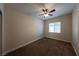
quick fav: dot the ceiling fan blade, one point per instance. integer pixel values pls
(52, 11)
(45, 10)
(41, 14)
(50, 14)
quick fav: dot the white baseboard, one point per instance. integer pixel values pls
(59, 40)
(65, 41)
(75, 50)
(19, 46)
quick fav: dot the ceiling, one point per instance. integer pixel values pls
(35, 9)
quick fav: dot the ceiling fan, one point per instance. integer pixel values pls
(46, 12)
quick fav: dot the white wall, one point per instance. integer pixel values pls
(20, 28)
(75, 29)
(66, 28)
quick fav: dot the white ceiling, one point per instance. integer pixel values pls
(35, 9)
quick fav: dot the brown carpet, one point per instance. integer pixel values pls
(45, 47)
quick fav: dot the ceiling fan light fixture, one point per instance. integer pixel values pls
(46, 15)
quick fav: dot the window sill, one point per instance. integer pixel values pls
(54, 32)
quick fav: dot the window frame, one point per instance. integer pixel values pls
(54, 27)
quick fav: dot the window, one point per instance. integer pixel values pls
(55, 27)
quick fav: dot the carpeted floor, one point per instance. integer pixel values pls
(45, 47)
